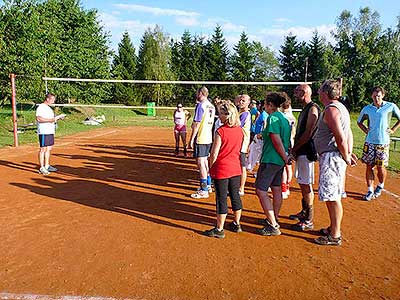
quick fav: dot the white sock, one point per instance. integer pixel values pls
(371, 188)
(381, 185)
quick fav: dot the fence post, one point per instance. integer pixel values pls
(14, 109)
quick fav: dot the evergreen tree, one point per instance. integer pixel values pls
(317, 70)
(124, 67)
(217, 56)
(289, 59)
(154, 63)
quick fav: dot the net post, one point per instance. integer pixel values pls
(14, 109)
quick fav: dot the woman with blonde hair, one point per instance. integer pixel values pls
(225, 168)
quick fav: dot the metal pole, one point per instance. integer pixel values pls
(14, 109)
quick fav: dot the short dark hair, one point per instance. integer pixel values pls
(49, 95)
(378, 89)
(276, 98)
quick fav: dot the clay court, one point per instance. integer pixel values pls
(117, 222)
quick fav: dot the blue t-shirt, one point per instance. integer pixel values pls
(253, 112)
(378, 121)
(260, 122)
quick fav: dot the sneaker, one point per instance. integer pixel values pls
(369, 196)
(214, 232)
(285, 195)
(303, 226)
(378, 191)
(269, 230)
(299, 216)
(43, 171)
(328, 240)
(52, 169)
(209, 188)
(200, 194)
(235, 227)
(344, 195)
(241, 193)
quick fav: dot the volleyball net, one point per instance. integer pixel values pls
(127, 101)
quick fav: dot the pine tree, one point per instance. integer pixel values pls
(124, 67)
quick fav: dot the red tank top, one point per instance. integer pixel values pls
(227, 164)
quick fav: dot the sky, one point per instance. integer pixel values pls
(262, 20)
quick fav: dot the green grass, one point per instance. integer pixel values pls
(129, 117)
(73, 122)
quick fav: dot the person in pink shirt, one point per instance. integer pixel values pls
(226, 169)
(181, 116)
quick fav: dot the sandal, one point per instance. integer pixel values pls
(328, 240)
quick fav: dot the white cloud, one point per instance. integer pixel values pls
(226, 25)
(282, 20)
(156, 10)
(186, 21)
(275, 36)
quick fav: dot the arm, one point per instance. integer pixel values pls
(360, 123)
(310, 127)
(396, 112)
(278, 145)
(195, 129)
(332, 119)
(40, 119)
(215, 149)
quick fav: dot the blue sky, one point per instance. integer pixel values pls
(262, 20)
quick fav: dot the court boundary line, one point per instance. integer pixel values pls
(13, 296)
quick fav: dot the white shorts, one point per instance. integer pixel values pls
(332, 170)
(304, 170)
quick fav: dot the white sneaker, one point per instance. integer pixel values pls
(43, 171)
(200, 194)
(241, 193)
(285, 195)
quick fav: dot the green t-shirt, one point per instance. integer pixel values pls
(276, 123)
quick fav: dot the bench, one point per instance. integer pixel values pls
(22, 127)
(395, 139)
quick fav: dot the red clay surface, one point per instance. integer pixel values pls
(117, 221)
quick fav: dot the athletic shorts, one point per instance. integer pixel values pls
(304, 170)
(332, 170)
(375, 155)
(201, 150)
(46, 140)
(243, 159)
(180, 128)
(268, 175)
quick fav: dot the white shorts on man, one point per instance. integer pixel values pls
(304, 170)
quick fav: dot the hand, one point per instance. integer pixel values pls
(62, 116)
(352, 160)
(390, 130)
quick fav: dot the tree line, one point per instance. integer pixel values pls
(59, 38)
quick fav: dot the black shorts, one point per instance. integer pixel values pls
(268, 175)
(201, 150)
(46, 140)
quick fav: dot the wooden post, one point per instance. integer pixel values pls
(14, 109)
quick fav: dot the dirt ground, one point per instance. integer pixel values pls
(117, 221)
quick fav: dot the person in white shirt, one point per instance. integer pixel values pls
(46, 120)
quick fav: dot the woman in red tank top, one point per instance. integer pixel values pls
(225, 168)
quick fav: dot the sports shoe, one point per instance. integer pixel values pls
(52, 169)
(299, 216)
(344, 195)
(214, 232)
(303, 226)
(200, 194)
(241, 193)
(269, 230)
(369, 196)
(209, 188)
(285, 195)
(378, 191)
(43, 171)
(235, 227)
(328, 240)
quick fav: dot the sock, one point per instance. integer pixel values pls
(381, 185)
(208, 180)
(203, 184)
(219, 230)
(371, 188)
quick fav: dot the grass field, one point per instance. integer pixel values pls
(127, 117)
